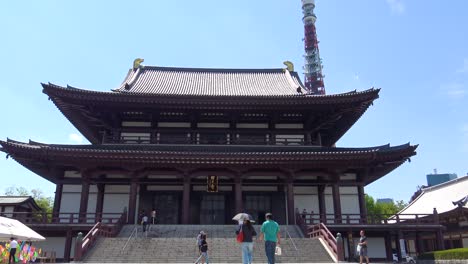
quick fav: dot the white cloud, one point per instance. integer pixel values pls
(464, 68)
(397, 6)
(76, 138)
(356, 77)
(455, 90)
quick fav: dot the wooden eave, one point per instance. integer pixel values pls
(42, 158)
(84, 108)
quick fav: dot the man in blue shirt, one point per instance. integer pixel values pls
(270, 232)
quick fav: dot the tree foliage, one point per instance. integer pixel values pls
(382, 210)
(44, 202)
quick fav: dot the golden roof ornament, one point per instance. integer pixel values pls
(289, 65)
(137, 63)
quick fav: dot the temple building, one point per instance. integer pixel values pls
(200, 145)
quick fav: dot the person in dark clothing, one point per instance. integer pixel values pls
(203, 250)
(363, 250)
(247, 244)
(13, 247)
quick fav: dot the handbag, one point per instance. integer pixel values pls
(358, 249)
(278, 251)
(240, 236)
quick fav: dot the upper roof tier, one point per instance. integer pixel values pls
(211, 82)
(154, 91)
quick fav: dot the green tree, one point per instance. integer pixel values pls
(380, 211)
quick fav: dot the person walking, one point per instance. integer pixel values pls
(13, 246)
(153, 216)
(363, 248)
(203, 250)
(270, 233)
(144, 222)
(247, 244)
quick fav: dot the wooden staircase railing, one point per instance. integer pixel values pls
(84, 244)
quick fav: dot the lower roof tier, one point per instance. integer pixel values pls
(369, 163)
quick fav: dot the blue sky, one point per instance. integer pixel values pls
(415, 50)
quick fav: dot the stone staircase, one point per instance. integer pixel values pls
(177, 244)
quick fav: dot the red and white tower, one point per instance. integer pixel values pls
(313, 63)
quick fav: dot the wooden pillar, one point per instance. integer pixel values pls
(362, 204)
(439, 235)
(84, 198)
(388, 246)
(308, 138)
(100, 201)
(68, 245)
(319, 139)
(132, 201)
(238, 194)
(337, 203)
(417, 243)
(57, 202)
(398, 246)
(290, 199)
(321, 200)
(186, 200)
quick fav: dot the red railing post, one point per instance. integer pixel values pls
(78, 247)
(339, 248)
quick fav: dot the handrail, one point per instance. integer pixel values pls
(83, 245)
(320, 230)
(290, 238)
(135, 230)
(359, 219)
(63, 217)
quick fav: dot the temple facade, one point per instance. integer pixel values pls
(200, 145)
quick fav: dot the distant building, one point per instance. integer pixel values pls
(385, 200)
(436, 178)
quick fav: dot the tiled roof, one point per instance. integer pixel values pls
(13, 199)
(440, 196)
(212, 82)
(195, 150)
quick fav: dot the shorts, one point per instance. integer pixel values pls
(363, 252)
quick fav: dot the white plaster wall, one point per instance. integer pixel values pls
(329, 206)
(56, 244)
(7, 210)
(375, 247)
(252, 125)
(70, 202)
(349, 202)
(71, 197)
(308, 202)
(116, 198)
(305, 190)
(465, 242)
(117, 189)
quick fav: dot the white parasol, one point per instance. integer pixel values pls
(242, 217)
(14, 228)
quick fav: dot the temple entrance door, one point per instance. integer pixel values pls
(257, 205)
(212, 209)
(167, 208)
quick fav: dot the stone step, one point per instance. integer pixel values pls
(226, 250)
(191, 231)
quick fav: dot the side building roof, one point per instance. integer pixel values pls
(440, 197)
(19, 200)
